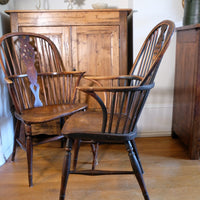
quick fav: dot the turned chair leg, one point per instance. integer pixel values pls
(76, 151)
(95, 147)
(137, 169)
(63, 140)
(29, 152)
(136, 154)
(17, 133)
(66, 169)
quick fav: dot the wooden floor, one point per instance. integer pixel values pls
(169, 174)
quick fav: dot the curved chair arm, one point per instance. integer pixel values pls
(119, 80)
(116, 89)
(127, 77)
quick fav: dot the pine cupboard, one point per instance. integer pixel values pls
(96, 41)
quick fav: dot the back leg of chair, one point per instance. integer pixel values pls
(136, 154)
(17, 133)
(137, 170)
(63, 140)
(76, 151)
(95, 147)
(29, 152)
(66, 169)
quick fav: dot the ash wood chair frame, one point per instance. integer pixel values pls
(40, 89)
(118, 124)
(146, 62)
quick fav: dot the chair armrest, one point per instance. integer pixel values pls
(115, 89)
(128, 77)
(8, 81)
(102, 81)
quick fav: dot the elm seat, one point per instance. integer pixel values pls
(82, 122)
(40, 88)
(48, 113)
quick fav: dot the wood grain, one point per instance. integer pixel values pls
(165, 161)
(186, 112)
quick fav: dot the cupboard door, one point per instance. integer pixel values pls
(95, 49)
(60, 36)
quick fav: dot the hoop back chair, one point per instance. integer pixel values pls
(125, 99)
(40, 89)
(147, 60)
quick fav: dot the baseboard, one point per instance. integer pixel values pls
(154, 134)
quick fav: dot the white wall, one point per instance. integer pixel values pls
(6, 120)
(60, 4)
(156, 118)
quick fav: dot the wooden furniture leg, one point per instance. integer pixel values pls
(136, 154)
(137, 170)
(76, 150)
(17, 133)
(95, 147)
(29, 151)
(66, 169)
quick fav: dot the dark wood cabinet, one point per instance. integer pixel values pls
(186, 109)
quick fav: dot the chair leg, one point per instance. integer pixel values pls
(136, 154)
(76, 151)
(29, 151)
(63, 140)
(95, 147)
(66, 169)
(137, 170)
(17, 132)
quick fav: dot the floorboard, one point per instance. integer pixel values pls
(169, 174)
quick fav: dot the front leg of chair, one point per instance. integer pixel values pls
(66, 168)
(136, 154)
(29, 152)
(137, 170)
(17, 132)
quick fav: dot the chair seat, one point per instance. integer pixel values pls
(47, 113)
(87, 126)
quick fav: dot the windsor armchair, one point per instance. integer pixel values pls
(147, 60)
(125, 97)
(117, 124)
(40, 88)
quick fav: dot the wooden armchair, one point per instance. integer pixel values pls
(125, 97)
(144, 69)
(40, 89)
(117, 124)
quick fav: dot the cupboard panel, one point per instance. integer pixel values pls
(60, 36)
